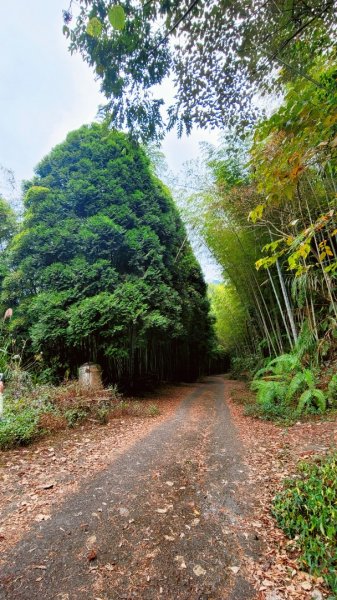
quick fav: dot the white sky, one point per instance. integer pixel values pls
(46, 92)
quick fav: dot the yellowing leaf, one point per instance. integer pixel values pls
(296, 171)
(94, 27)
(256, 213)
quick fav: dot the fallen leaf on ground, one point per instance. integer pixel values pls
(181, 560)
(91, 540)
(306, 585)
(92, 555)
(234, 570)
(198, 571)
(42, 517)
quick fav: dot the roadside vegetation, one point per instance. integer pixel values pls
(33, 410)
(267, 212)
(100, 267)
(306, 511)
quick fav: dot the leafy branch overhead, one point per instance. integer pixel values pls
(219, 53)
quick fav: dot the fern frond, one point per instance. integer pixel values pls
(269, 391)
(297, 383)
(310, 398)
(304, 400)
(285, 364)
(320, 399)
(306, 342)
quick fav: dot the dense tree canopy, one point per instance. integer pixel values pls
(269, 217)
(7, 228)
(102, 269)
(7, 223)
(220, 53)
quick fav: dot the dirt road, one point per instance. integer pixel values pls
(166, 519)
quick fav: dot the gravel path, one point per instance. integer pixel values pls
(164, 520)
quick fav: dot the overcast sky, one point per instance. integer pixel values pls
(46, 92)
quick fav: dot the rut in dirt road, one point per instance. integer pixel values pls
(161, 521)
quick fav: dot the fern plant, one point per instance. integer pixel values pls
(281, 365)
(301, 380)
(332, 390)
(285, 389)
(311, 399)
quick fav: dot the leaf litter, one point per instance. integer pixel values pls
(34, 480)
(271, 454)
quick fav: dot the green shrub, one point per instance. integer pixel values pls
(306, 509)
(244, 367)
(18, 428)
(286, 390)
(75, 415)
(102, 415)
(37, 410)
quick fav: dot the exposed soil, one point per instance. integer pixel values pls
(174, 507)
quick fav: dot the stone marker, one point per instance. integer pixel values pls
(90, 375)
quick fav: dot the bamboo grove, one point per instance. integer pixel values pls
(269, 217)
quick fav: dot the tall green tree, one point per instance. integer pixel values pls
(8, 226)
(102, 269)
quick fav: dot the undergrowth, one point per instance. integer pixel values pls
(306, 510)
(32, 411)
(293, 385)
(286, 390)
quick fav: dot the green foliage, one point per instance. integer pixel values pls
(8, 226)
(285, 302)
(332, 390)
(230, 316)
(19, 427)
(293, 154)
(8, 223)
(306, 510)
(311, 399)
(101, 269)
(75, 415)
(244, 366)
(236, 50)
(116, 16)
(102, 415)
(94, 27)
(286, 390)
